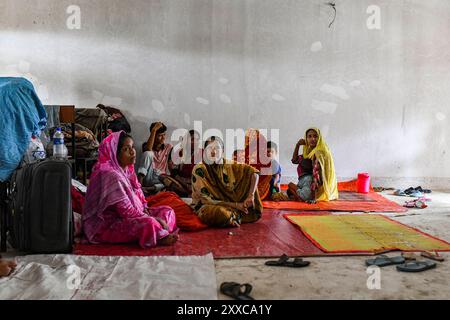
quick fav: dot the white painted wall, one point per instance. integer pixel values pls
(381, 97)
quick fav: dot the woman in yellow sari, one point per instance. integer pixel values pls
(224, 193)
(317, 177)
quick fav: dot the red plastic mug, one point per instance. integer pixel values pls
(363, 183)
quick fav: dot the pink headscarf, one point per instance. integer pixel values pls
(110, 184)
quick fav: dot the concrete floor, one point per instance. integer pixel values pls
(346, 277)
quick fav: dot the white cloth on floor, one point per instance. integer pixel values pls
(55, 277)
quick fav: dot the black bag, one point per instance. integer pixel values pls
(40, 216)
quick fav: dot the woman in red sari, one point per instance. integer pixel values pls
(256, 156)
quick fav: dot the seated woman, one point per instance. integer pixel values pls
(224, 193)
(316, 176)
(115, 210)
(256, 156)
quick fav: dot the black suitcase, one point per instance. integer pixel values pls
(40, 208)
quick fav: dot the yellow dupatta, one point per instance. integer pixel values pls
(328, 190)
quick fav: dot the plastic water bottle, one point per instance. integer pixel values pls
(59, 150)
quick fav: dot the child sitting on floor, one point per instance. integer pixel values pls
(272, 151)
(302, 191)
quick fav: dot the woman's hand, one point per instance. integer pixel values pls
(301, 142)
(249, 202)
(162, 223)
(157, 126)
(241, 206)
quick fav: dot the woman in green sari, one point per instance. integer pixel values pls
(224, 193)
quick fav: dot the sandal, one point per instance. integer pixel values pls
(419, 188)
(416, 266)
(432, 256)
(418, 203)
(236, 290)
(283, 261)
(382, 261)
(399, 192)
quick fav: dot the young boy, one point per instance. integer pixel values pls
(302, 191)
(155, 159)
(272, 151)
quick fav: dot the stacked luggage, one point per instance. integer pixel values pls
(35, 195)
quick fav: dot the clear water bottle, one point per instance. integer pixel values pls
(59, 149)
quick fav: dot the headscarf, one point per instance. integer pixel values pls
(328, 190)
(110, 184)
(255, 142)
(256, 156)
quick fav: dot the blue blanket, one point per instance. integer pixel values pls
(21, 116)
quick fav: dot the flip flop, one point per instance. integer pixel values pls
(399, 192)
(382, 261)
(236, 290)
(283, 261)
(415, 194)
(419, 188)
(432, 256)
(417, 203)
(416, 266)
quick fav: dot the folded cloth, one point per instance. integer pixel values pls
(21, 116)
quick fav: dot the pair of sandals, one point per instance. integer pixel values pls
(419, 203)
(417, 189)
(402, 264)
(416, 192)
(284, 261)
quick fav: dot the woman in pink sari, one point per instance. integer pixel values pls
(115, 210)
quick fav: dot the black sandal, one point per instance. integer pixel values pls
(236, 290)
(383, 261)
(416, 266)
(283, 261)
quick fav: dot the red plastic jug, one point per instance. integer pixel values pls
(363, 183)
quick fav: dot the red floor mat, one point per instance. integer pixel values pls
(379, 204)
(272, 236)
(376, 203)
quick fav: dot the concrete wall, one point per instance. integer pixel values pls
(381, 97)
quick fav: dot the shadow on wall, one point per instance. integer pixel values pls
(195, 26)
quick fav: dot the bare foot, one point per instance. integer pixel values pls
(169, 240)
(6, 267)
(235, 224)
(292, 188)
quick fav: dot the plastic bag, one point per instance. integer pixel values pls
(35, 151)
